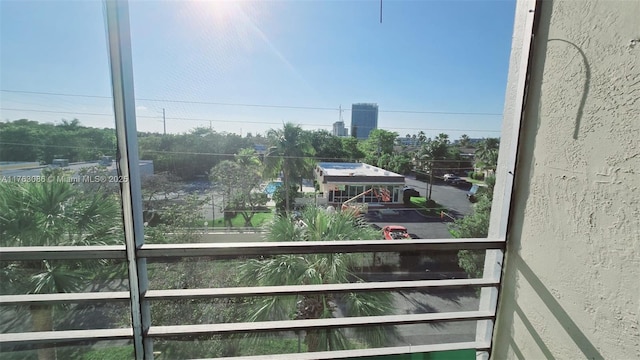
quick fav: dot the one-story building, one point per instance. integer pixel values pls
(340, 182)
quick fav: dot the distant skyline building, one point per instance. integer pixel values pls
(339, 129)
(364, 118)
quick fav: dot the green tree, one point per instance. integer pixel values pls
(487, 154)
(240, 179)
(431, 157)
(464, 140)
(190, 155)
(50, 214)
(380, 142)
(317, 225)
(25, 140)
(327, 146)
(475, 225)
(421, 137)
(20, 140)
(350, 147)
(156, 192)
(400, 163)
(290, 153)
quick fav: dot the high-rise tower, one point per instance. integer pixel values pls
(364, 118)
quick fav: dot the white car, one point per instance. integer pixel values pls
(450, 177)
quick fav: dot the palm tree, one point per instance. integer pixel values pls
(50, 214)
(487, 154)
(291, 153)
(316, 224)
(464, 140)
(248, 157)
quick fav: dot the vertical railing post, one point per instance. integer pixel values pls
(503, 194)
(119, 44)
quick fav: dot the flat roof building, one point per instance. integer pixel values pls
(340, 182)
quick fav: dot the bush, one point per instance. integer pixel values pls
(475, 225)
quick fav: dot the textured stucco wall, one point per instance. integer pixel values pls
(571, 286)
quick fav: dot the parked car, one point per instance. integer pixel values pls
(59, 163)
(395, 232)
(451, 178)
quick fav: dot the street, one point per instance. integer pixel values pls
(451, 197)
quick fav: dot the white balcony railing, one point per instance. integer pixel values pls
(216, 251)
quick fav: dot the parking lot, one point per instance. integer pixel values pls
(418, 225)
(441, 265)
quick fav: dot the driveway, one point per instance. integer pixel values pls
(418, 225)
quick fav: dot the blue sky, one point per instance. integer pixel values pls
(426, 56)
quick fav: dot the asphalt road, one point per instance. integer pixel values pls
(451, 197)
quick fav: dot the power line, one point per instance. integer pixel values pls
(255, 105)
(57, 112)
(230, 121)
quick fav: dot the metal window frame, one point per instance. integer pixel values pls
(120, 61)
(526, 16)
(136, 253)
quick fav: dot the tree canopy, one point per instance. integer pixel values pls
(317, 224)
(240, 179)
(291, 154)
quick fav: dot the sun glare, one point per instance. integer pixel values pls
(221, 12)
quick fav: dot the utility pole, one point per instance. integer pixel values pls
(430, 180)
(164, 122)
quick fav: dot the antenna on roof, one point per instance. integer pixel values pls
(380, 11)
(340, 111)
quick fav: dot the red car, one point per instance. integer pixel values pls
(395, 232)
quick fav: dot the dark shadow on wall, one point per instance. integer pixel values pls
(585, 89)
(515, 270)
(534, 334)
(516, 350)
(572, 329)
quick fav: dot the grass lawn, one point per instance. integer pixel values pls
(238, 221)
(432, 209)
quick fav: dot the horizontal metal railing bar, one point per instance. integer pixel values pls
(206, 293)
(230, 250)
(345, 354)
(311, 289)
(173, 331)
(64, 298)
(67, 336)
(237, 249)
(20, 253)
